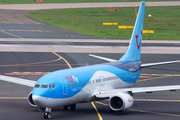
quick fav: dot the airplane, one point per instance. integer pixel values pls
(112, 80)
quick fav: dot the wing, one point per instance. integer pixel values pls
(142, 65)
(108, 93)
(29, 83)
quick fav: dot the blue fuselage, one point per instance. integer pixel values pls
(84, 81)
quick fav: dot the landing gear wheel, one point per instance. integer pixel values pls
(65, 107)
(73, 107)
(47, 115)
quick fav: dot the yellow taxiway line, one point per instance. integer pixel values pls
(156, 100)
(149, 111)
(11, 34)
(13, 98)
(62, 58)
(100, 118)
(155, 112)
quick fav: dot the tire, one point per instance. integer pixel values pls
(47, 115)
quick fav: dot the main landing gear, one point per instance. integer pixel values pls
(47, 113)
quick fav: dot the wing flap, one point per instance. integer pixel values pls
(29, 83)
(108, 93)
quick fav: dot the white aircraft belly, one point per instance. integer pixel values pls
(54, 103)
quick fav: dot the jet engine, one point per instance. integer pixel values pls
(120, 101)
(30, 100)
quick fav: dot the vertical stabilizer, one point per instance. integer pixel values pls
(134, 51)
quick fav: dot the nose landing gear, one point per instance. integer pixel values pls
(47, 113)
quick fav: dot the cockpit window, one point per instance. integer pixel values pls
(51, 86)
(44, 86)
(37, 86)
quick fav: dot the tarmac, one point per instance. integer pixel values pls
(83, 5)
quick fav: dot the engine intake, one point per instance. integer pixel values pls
(30, 100)
(120, 101)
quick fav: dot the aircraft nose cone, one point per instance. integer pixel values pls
(35, 99)
(38, 100)
(43, 102)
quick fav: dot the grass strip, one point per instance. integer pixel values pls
(68, 1)
(165, 21)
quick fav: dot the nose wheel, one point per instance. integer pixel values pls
(47, 113)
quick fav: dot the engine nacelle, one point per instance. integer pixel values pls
(120, 101)
(30, 100)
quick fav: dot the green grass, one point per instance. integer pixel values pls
(68, 1)
(165, 21)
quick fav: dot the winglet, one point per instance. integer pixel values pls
(134, 51)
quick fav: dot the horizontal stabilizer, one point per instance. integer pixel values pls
(159, 63)
(103, 58)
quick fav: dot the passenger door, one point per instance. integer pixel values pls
(64, 86)
(102, 83)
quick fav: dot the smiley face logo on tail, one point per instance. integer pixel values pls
(138, 45)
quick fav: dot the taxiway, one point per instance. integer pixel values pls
(25, 48)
